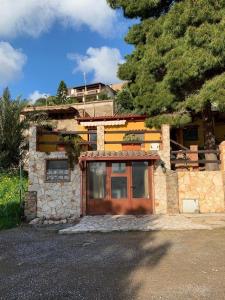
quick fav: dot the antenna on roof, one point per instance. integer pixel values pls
(85, 87)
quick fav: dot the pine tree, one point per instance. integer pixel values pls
(177, 68)
(62, 93)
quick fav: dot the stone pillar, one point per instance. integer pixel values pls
(222, 156)
(193, 157)
(33, 139)
(100, 138)
(30, 207)
(165, 151)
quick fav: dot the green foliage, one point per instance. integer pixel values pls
(103, 96)
(130, 137)
(10, 205)
(124, 101)
(51, 100)
(12, 140)
(141, 8)
(40, 102)
(62, 93)
(71, 100)
(178, 64)
(73, 148)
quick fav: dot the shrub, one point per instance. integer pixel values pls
(11, 207)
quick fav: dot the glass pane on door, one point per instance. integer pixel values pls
(119, 187)
(97, 180)
(118, 167)
(140, 179)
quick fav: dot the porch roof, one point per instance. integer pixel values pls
(119, 155)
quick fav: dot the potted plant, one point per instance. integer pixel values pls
(131, 142)
(61, 145)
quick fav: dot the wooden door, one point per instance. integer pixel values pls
(141, 187)
(119, 188)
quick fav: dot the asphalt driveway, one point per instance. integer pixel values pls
(41, 264)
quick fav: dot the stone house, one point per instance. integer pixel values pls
(124, 168)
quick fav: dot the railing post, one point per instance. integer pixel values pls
(193, 157)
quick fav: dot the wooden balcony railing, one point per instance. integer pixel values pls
(193, 159)
(59, 134)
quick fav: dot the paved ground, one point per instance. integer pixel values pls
(109, 223)
(41, 264)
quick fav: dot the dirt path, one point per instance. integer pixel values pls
(40, 264)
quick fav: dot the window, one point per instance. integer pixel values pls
(190, 133)
(97, 180)
(118, 168)
(119, 187)
(92, 137)
(140, 180)
(57, 170)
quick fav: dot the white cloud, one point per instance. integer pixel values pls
(37, 95)
(33, 17)
(11, 63)
(102, 62)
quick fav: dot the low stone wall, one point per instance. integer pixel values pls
(50, 200)
(54, 199)
(59, 200)
(207, 187)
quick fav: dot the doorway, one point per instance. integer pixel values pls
(119, 187)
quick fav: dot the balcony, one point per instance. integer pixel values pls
(83, 93)
(50, 141)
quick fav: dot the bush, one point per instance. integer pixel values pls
(10, 203)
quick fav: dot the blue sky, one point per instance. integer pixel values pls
(41, 44)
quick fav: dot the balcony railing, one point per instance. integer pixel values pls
(85, 93)
(107, 133)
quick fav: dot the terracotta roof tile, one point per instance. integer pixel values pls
(119, 155)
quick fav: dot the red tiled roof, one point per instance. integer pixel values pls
(119, 155)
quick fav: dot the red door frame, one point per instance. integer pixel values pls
(114, 206)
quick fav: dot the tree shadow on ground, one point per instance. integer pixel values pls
(79, 266)
(143, 252)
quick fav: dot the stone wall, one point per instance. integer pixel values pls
(207, 187)
(166, 191)
(172, 192)
(162, 170)
(58, 200)
(160, 188)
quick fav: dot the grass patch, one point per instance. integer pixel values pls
(10, 206)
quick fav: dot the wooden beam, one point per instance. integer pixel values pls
(132, 131)
(133, 142)
(177, 144)
(188, 162)
(119, 158)
(199, 151)
(65, 143)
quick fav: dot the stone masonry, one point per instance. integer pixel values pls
(55, 200)
(101, 138)
(207, 187)
(160, 173)
(62, 200)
